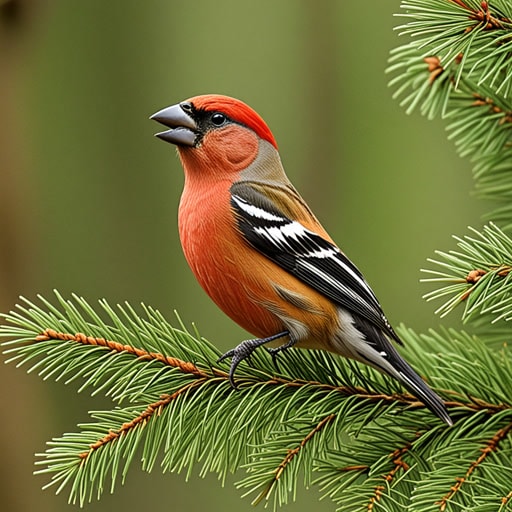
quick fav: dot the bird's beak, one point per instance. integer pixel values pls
(183, 129)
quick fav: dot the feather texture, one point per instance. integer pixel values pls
(259, 252)
(305, 254)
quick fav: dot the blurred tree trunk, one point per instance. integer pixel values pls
(13, 29)
(19, 399)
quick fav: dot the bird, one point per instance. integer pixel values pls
(259, 252)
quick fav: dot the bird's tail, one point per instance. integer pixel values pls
(417, 386)
(378, 351)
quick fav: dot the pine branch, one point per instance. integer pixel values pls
(457, 65)
(342, 426)
(478, 275)
(334, 423)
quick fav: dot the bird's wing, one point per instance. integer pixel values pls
(305, 254)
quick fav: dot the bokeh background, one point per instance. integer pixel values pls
(88, 197)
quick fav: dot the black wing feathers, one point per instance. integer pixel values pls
(306, 255)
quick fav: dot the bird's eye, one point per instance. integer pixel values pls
(218, 119)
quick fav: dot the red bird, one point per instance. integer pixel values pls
(260, 253)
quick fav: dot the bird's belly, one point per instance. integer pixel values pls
(240, 301)
(220, 264)
(248, 287)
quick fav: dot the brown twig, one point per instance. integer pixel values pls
(434, 67)
(357, 467)
(291, 455)
(115, 346)
(143, 417)
(293, 452)
(474, 276)
(482, 101)
(474, 404)
(491, 446)
(483, 16)
(506, 499)
(460, 3)
(189, 368)
(398, 463)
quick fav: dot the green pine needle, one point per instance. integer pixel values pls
(320, 419)
(456, 64)
(478, 275)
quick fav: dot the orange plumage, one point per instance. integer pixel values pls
(260, 253)
(212, 243)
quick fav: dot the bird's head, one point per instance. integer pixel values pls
(214, 131)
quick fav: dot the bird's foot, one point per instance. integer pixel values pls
(275, 351)
(244, 350)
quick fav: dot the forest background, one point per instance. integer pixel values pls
(88, 197)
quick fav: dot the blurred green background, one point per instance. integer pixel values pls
(88, 196)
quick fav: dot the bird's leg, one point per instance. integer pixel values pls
(245, 349)
(274, 352)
